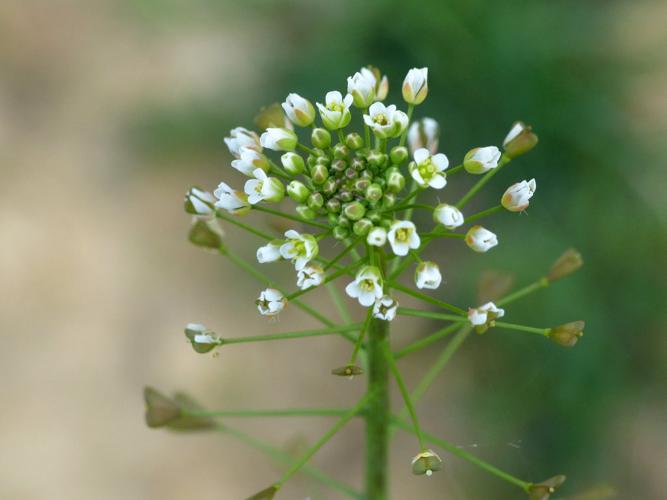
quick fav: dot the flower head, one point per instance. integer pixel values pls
(233, 201)
(310, 276)
(481, 160)
(386, 121)
(299, 248)
(367, 286)
(385, 308)
(415, 86)
(427, 275)
(481, 239)
(299, 110)
(428, 170)
(263, 188)
(426, 463)
(335, 113)
(249, 160)
(424, 134)
(361, 86)
(270, 302)
(269, 252)
(241, 137)
(403, 237)
(199, 202)
(279, 139)
(448, 215)
(517, 197)
(482, 317)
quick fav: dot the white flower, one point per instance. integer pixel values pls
(263, 188)
(482, 315)
(424, 134)
(403, 236)
(299, 248)
(481, 160)
(310, 276)
(279, 139)
(481, 239)
(377, 237)
(235, 202)
(249, 160)
(361, 86)
(428, 275)
(385, 308)
(269, 252)
(205, 338)
(367, 286)
(199, 202)
(415, 86)
(299, 110)
(386, 121)
(448, 215)
(270, 302)
(239, 138)
(381, 85)
(428, 170)
(336, 113)
(517, 197)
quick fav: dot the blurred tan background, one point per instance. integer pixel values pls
(110, 110)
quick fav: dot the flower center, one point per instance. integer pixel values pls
(367, 285)
(427, 169)
(380, 119)
(336, 106)
(403, 234)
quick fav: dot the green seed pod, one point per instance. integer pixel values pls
(338, 165)
(320, 138)
(333, 206)
(354, 210)
(362, 227)
(388, 200)
(306, 212)
(319, 174)
(316, 201)
(398, 154)
(298, 191)
(293, 163)
(340, 151)
(373, 192)
(354, 141)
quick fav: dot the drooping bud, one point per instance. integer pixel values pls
(205, 233)
(568, 334)
(362, 227)
(199, 202)
(269, 252)
(566, 264)
(519, 140)
(415, 86)
(398, 154)
(427, 275)
(426, 463)
(320, 138)
(483, 317)
(385, 308)
(293, 163)
(265, 494)
(544, 490)
(481, 239)
(354, 141)
(347, 371)
(270, 302)
(298, 191)
(202, 339)
(481, 160)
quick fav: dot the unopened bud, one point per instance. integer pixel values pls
(338, 165)
(568, 334)
(362, 227)
(374, 192)
(566, 264)
(320, 138)
(293, 163)
(360, 185)
(426, 463)
(377, 159)
(199, 202)
(205, 233)
(298, 191)
(388, 200)
(340, 151)
(395, 180)
(319, 173)
(354, 210)
(330, 186)
(544, 490)
(347, 371)
(333, 206)
(316, 201)
(306, 212)
(202, 339)
(341, 232)
(266, 494)
(398, 154)
(354, 141)
(519, 140)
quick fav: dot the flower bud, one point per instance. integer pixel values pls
(375, 216)
(299, 110)
(361, 86)
(424, 134)
(377, 237)
(293, 163)
(272, 115)
(269, 252)
(484, 316)
(266, 494)
(201, 338)
(319, 173)
(566, 264)
(481, 160)
(544, 490)
(362, 227)
(354, 210)
(241, 137)
(298, 191)
(398, 154)
(340, 232)
(481, 239)
(360, 185)
(345, 195)
(374, 192)
(340, 151)
(347, 371)
(270, 302)
(381, 82)
(427, 275)
(568, 334)
(199, 202)
(519, 140)
(324, 160)
(415, 86)
(333, 206)
(205, 233)
(160, 410)
(316, 201)
(338, 165)
(395, 180)
(388, 200)
(310, 276)
(351, 173)
(306, 212)
(517, 197)
(320, 138)
(448, 215)
(426, 463)
(377, 159)
(279, 139)
(354, 141)
(385, 308)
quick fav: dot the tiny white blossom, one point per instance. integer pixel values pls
(241, 137)
(428, 275)
(385, 308)
(517, 197)
(481, 160)
(249, 160)
(199, 202)
(415, 86)
(269, 252)
(235, 202)
(381, 84)
(299, 110)
(481, 239)
(377, 237)
(429, 170)
(279, 139)
(448, 215)
(482, 315)
(310, 276)
(386, 121)
(299, 248)
(361, 86)
(335, 113)
(263, 188)
(367, 286)
(270, 302)
(424, 134)
(403, 237)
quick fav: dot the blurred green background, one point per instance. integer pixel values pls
(110, 110)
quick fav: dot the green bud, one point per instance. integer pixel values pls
(340, 151)
(320, 138)
(374, 216)
(362, 227)
(311, 161)
(293, 163)
(377, 159)
(333, 206)
(276, 190)
(388, 200)
(568, 334)
(345, 196)
(347, 371)
(205, 233)
(316, 201)
(160, 410)
(566, 264)
(266, 494)
(520, 140)
(341, 233)
(360, 185)
(351, 173)
(544, 490)
(374, 192)
(319, 174)
(298, 191)
(395, 181)
(306, 212)
(426, 463)
(354, 210)
(338, 165)
(358, 164)
(343, 221)
(330, 186)
(354, 141)
(398, 154)
(323, 160)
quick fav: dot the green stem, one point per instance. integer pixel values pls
(522, 328)
(418, 313)
(541, 283)
(367, 131)
(362, 334)
(341, 136)
(426, 341)
(349, 248)
(484, 213)
(295, 218)
(455, 169)
(427, 237)
(411, 108)
(306, 149)
(480, 183)
(426, 298)
(233, 220)
(292, 335)
(412, 205)
(279, 171)
(284, 412)
(337, 299)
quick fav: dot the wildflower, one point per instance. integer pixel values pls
(428, 275)
(299, 110)
(428, 170)
(424, 134)
(377, 237)
(269, 252)
(481, 239)
(310, 276)
(517, 197)
(367, 286)
(270, 302)
(426, 463)
(241, 137)
(386, 121)
(519, 140)
(544, 490)
(300, 248)
(403, 237)
(234, 202)
(481, 160)
(380, 81)
(483, 317)
(415, 86)
(263, 188)
(448, 215)
(205, 233)
(249, 160)
(361, 86)
(568, 334)
(566, 264)
(336, 113)
(279, 139)
(385, 308)
(199, 202)
(201, 338)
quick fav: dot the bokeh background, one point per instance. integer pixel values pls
(111, 109)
